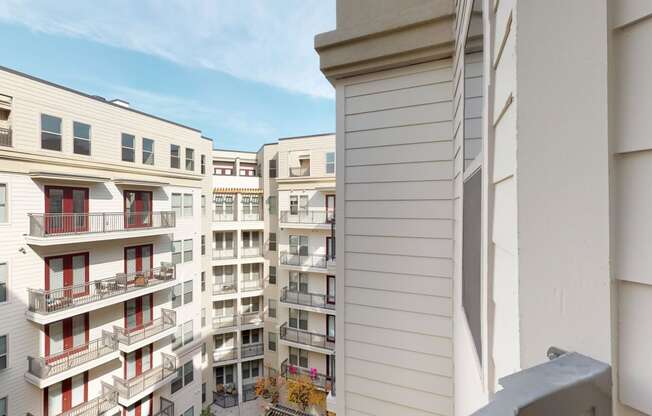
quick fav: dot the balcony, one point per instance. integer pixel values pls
(251, 252)
(225, 354)
(100, 405)
(223, 322)
(307, 219)
(131, 339)
(251, 350)
(222, 216)
(319, 380)
(48, 370)
(317, 263)
(5, 137)
(225, 400)
(225, 287)
(309, 300)
(302, 339)
(52, 229)
(251, 215)
(251, 285)
(223, 254)
(299, 172)
(251, 318)
(46, 306)
(137, 387)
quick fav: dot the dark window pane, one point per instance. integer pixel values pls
(50, 141)
(127, 155)
(82, 147)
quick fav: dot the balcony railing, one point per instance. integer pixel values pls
(223, 253)
(251, 251)
(226, 321)
(225, 400)
(251, 350)
(138, 384)
(307, 299)
(97, 406)
(314, 261)
(56, 363)
(321, 381)
(223, 216)
(130, 336)
(53, 225)
(224, 287)
(251, 318)
(299, 171)
(254, 215)
(304, 337)
(307, 217)
(248, 285)
(225, 354)
(67, 297)
(5, 137)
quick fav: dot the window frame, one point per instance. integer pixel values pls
(272, 341)
(189, 159)
(60, 133)
(188, 209)
(272, 246)
(188, 339)
(187, 291)
(272, 276)
(6, 353)
(175, 160)
(132, 148)
(5, 283)
(330, 165)
(150, 152)
(202, 164)
(273, 168)
(75, 138)
(188, 253)
(177, 253)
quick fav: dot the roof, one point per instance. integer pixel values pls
(278, 410)
(306, 137)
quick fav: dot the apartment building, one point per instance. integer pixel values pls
(492, 204)
(273, 271)
(102, 219)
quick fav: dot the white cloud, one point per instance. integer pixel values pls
(268, 41)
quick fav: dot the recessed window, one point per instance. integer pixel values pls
(187, 292)
(176, 205)
(272, 241)
(175, 156)
(81, 138)
(272, 168)
(128, 149)
(330, 162)
(4, 214)
(190, 159)
(3, 353)
(187, 250)
(175, 297)
(176, 252)
(272, 275)
(187, 205)
(148, 151)
(271, 341)
(50, 132)
(4, 277)
(190, 412)
(203, 281)
(187, 336)
(202, 164)
(203, 205)
(273, 204)
(4, 410)
(203, 245)
(271, 308)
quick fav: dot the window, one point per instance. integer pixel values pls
(272, 275)
(187, 205)
(271, 341)
(175, 156)
(203, 391)
(330, 289)
(298, 282)
(224, 375)
(273, 204)
(471, 257)
(50, 132)
(203, 321)
(176, 205)
(330, 327)
(190, 412)
(148, 151)
(299, 245)
(187, 333)
(190, 159)
(177, 383)
(250, 369)
(272, 241)
(250, 305)
(188, 375)
(272, 168)
(4, 411)
(128, 148)
(271, 309)
(4, 214)
(4, 277)
(330, 162)
(202, 164)
(187, 250)
(298, 204)
(187, 292)
(3, 352)
(176, 252)
(298, 319)
(203, 281)
(298, 357)
(81, 138)
(175, 296)
(203, 205)
(203, 245)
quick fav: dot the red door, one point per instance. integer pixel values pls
(138, 312)
(138, 209)
(66, 209)
(67, 394)
(66, 277)
(138, 362)
(138, 262)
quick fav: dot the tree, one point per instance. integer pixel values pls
(268, 388)
(302, 392)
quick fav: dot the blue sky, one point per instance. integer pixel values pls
(244, 72)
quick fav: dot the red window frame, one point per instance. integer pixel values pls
(139, 361)
(138, 221)
(139, 312)
(67, 272)
(330, 212)
(67, 338)
(65, 224)
(66, 393)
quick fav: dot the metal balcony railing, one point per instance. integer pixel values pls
(304, 337)
(251, 350)
(55, 363)
(307, 299)
(321, 381)
(225, 354)
(223, 253)
(226, 321)
(251, 284)
(67, 297)
(5, 137)
(299, 171)
(225, 400)
(97, 406)
(251, 318)
(129, 336)
(251, 215)
(54, 225)
(225, 286)
(223, 216)
(138, 384)
(307, 217)
(251, 251)
(314, 261)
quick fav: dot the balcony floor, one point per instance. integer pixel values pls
(54, 239)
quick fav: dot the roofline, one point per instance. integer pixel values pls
(83, 94)
(306, 137)
(207, 138)
(238, 151)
